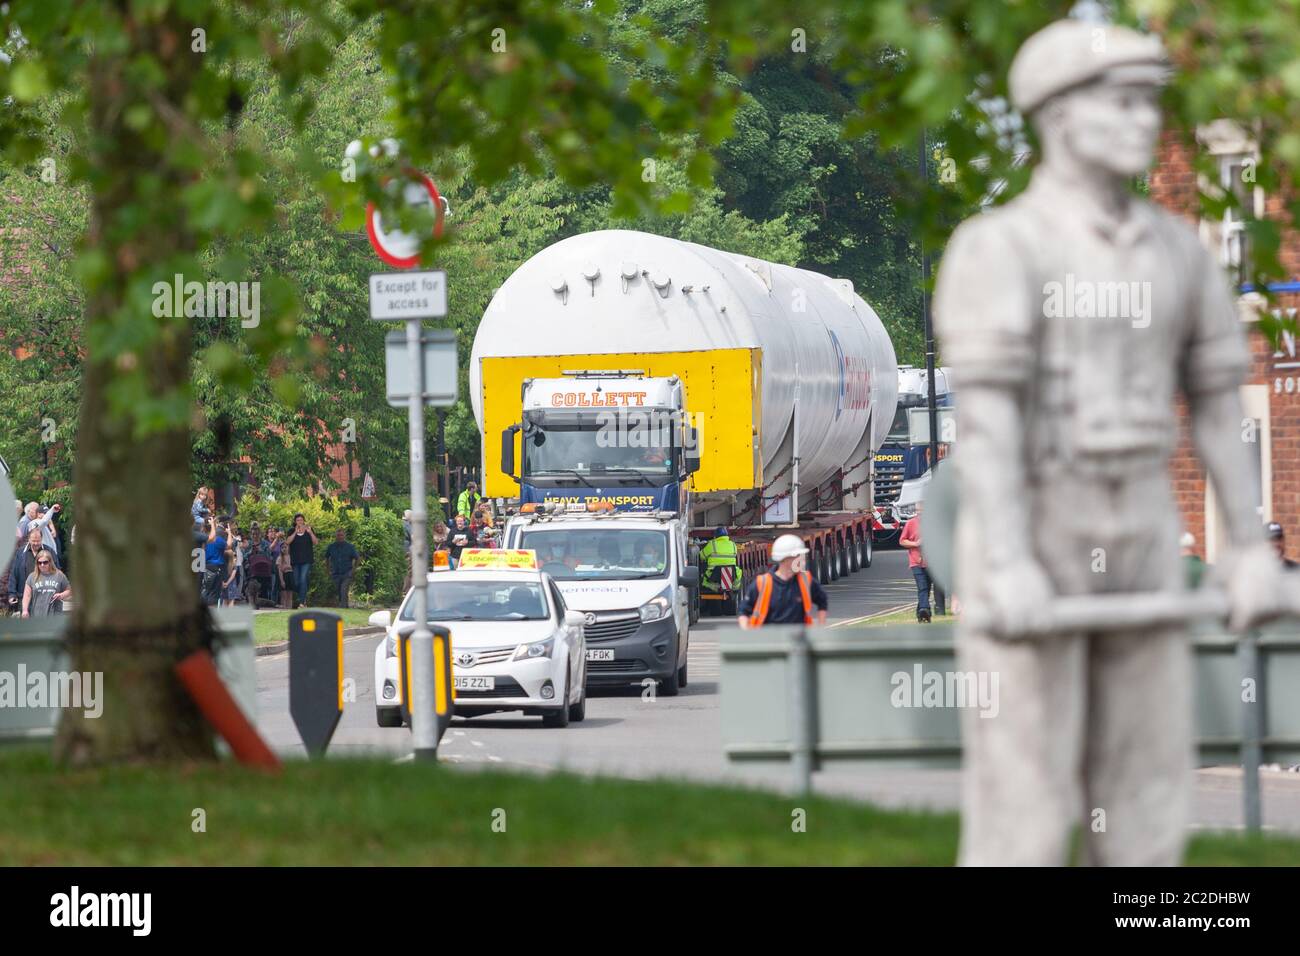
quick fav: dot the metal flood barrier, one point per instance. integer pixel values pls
(826, 699)
(35, 645)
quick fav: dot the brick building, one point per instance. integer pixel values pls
(1272, 394)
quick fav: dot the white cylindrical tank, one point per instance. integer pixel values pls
(620, 291)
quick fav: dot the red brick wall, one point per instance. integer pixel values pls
(1173, 185)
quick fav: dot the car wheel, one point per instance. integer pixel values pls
(388, 716)
(681, 675)
(560, 716)
(578, 711)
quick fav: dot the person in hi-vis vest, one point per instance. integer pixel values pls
(721, 569)
(786, 594)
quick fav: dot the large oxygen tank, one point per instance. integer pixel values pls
(619, 291)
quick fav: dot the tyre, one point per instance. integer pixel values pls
(855, 556)
(388, 716)
(866, 549)
(681, 672)
(695, 606)
(560, 717)
(670, 686)
(578, 711)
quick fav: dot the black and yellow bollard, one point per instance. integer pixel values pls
(316, 677)
(444, 689)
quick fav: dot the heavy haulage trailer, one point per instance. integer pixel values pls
(780, 384)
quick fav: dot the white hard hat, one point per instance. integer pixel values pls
(1188, 540)
(788, 546)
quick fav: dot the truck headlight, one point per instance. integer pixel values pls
(536, 649)
(655, 609)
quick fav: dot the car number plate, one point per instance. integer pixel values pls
(602, 654)
(475, 683)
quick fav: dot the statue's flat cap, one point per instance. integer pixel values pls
(1071, 53)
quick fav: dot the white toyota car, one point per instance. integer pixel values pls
(514, 646)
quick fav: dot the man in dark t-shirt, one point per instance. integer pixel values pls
(342, 558)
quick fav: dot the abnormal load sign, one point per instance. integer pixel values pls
(499, 559)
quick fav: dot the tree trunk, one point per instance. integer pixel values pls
(136, 607)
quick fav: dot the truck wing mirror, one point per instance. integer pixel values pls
(508, 450)
(691, 454)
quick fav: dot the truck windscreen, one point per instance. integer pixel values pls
(623, 454)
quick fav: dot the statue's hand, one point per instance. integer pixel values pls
(1020, 600)
(1253, 579)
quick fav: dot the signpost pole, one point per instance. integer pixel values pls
(423, 719)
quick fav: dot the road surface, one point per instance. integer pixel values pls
(627, 735)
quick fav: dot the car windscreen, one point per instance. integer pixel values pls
(594, 554)
(486, 600)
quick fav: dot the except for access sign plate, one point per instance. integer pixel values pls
(408, 295)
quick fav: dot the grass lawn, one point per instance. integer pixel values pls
(358, 812)
(272, 626)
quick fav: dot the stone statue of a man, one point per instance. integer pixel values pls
(1072, 316)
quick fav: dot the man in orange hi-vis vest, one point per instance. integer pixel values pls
(785, 595)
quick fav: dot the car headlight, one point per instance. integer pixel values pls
(536, 649)
(655, 609)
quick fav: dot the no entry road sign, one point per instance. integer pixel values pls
(398, 248)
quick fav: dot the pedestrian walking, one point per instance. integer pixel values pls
(787, 593)
(214, 563)
(302, 545)
(46, 589)
(23, 564)
(260, 570)
(342, 558)
(461, 537)
(910, 538)
(468, 500)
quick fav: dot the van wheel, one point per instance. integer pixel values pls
(670, 686)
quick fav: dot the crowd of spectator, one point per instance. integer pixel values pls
(264, 567)
(35, 581)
